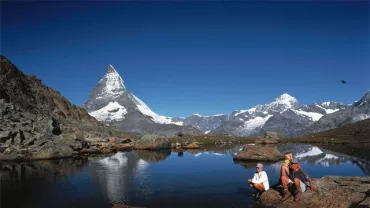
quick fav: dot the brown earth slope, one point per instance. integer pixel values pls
(353, 133)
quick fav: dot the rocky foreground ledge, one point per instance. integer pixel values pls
(333, 192)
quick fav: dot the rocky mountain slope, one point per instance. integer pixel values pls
(111, 103)
(204, 123)
(358, 111)
(37, 122)
(285, 115)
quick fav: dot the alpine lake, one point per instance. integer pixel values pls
(194, 178)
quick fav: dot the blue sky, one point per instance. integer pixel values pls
(189, 57)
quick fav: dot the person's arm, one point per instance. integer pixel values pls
(313, 188)
(262, 179)
(284, 170)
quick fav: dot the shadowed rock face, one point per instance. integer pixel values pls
(333, 192)
(29, 94)
(358, 111)
(37, 122)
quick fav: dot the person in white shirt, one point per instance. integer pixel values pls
(260, 180)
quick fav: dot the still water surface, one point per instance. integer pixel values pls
(196, 178)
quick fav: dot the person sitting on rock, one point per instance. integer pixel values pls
(260, 180)
(301, 178)
(285, 174)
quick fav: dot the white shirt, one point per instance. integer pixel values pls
(261, 177)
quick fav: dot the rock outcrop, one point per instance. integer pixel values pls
(259, 153)
(37, 122)
(151, 142)
(191, 146)
(269, 138)
(333, 192)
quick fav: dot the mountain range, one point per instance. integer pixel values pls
(111, 103)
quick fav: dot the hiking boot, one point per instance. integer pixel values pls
(286, 195)
(297, 195)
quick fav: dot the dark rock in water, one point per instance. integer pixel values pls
(152, 142)
(259, 153)
(333, 192)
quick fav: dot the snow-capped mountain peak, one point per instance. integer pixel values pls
(287, 100)
(113, 82)
(281, 104)
(111, 69)
(285, 96)
(110, 103)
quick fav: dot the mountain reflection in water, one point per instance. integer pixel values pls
(192, 178)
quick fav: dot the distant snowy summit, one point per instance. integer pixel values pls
(111, 103)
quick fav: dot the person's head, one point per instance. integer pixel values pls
(259, 167)
(295, 165)
(288, 156)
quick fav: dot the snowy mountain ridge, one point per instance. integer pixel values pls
(111, 103)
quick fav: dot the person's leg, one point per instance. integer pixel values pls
(297, 194)
(303, 186)
(259, 187)
(285, 181)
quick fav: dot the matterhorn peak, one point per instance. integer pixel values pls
(111, 69)
(286, 96)
(113, 81)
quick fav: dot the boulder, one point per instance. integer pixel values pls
(266, 141)
(333, 192)
(259, 153)
(152, 142)
(191, 146)
(53, 150)
(273, 135)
